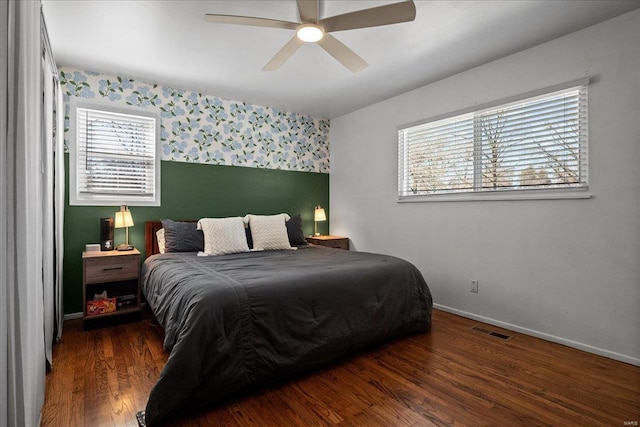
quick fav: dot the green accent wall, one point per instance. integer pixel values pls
(193, 191)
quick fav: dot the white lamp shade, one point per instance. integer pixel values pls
(124, 219)
(319, 214)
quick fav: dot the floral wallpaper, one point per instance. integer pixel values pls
(201, 128)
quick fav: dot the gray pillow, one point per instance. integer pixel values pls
(294, 230)
(182, 236)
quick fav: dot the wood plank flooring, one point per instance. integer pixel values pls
(450, 376)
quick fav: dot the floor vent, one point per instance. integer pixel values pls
(492, 333)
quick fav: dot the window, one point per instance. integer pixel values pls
(115, 158)
(537, 143)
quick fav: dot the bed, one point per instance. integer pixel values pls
(239, 319)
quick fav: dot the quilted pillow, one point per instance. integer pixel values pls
(223, 235)
(182, 236)
(269, 232)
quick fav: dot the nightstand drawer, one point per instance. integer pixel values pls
(339, 244)
(336, 242)
(109, 269)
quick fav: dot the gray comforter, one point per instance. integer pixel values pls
(235, 320)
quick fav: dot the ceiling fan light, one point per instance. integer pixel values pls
(310, 33)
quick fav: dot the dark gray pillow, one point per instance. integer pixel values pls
(182, 236)
(294, 230)
(247, 232)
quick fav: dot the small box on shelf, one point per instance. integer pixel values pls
(126, 301)
(101, 306)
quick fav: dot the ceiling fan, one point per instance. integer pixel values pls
(311, 29)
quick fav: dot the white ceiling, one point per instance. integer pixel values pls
(169, 42)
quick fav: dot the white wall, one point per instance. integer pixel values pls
(565, 270)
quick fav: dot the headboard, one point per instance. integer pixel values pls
(150, 238)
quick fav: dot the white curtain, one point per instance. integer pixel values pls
(48, 275)
(22, 349)
(53, 195)
(59, 177)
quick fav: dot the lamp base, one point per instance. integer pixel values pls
(316, 234)
(124, 247)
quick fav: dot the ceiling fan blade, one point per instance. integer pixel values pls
(382, 15)
(283, 54)
(342, 53)
(248, 20)
(308, 10)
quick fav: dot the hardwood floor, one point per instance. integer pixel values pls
(450, 376)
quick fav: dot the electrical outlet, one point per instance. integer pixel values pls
(474, 286)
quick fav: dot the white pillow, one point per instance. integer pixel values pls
(160, 239)
(223, 235)
(269, 232)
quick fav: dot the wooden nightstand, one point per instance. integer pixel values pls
(329, 241)
(117, 273)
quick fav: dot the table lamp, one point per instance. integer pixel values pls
(124, 220)
(318, 215)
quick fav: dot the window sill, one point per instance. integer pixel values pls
(507, 195)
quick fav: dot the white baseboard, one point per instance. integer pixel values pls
(73, 316)
(569, 343)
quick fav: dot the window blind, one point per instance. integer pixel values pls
(116, 154)
(535, 143)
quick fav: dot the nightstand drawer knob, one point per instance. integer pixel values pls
(112, 268)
